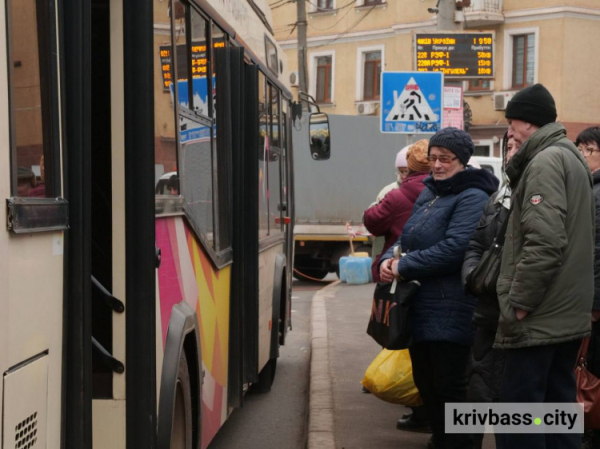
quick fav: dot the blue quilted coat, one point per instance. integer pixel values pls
(435, 238)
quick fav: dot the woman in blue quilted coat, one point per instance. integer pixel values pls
(434, 242)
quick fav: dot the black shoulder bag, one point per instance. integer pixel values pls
(390, 323)
(483, 278)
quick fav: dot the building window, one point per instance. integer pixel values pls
(373, 2)
(523, 67)
(372, 75)
(324, 76)
(480, 85)
(484, 148)
(324, 5)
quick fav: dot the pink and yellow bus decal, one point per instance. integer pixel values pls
(187, 274)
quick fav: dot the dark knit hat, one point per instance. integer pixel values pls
(534, 104)
(455, 140)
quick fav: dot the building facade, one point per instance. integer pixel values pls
(547, 41)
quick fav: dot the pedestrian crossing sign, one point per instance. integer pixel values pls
(411, 102)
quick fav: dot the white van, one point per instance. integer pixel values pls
(493, 164)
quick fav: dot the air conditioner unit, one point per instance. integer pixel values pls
(501, 99)
(366, 108)
(294, 79)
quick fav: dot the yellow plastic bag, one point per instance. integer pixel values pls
(390, 378)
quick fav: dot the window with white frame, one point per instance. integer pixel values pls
(484, 148)
(322, 71)
(520, 58)
(372, 75)
(321, 6)
(370, 63)
(324, 5)
(523, 60)
(370, 2)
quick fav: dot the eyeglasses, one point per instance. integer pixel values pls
(443, 159)
(587, 151)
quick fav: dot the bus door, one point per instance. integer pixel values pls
(287, 210)
(35, 220)
(121, 206)
(239, 80)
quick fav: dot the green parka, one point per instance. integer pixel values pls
(548, 258)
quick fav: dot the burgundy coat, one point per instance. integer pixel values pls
(387, 218)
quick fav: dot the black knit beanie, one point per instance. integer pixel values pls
(455, 140)
(534, 104)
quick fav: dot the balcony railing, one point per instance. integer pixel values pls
(484, 6)
(482, 13)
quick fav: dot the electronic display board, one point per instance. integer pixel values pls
(199, 62)
(166, 59)
(457, 55)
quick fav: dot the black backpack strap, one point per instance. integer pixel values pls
(500, 236)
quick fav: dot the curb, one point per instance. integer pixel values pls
(321, 424)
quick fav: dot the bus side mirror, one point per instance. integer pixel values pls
(319, 138)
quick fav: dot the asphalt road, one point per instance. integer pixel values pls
(278, 419)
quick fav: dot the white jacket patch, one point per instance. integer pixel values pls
(536, 199)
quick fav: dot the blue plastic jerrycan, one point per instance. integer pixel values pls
(356, 270)
(342, 264)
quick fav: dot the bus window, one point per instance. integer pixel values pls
(165, 156)
(274, 116)
(274, 162)
(181, 41)
(30, 49)
(271, 56)
(196, 175)
(284, 156)
(218, 42)
(200, 65)
(222, 144)
(263, 149)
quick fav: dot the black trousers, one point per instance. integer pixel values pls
(440, 373)
(484, 373)
(540, 374)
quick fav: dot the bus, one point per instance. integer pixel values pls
(147, 257)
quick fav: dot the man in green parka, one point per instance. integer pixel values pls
(546, 283)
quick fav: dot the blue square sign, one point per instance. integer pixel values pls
(411, 102)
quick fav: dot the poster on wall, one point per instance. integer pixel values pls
(453, 108)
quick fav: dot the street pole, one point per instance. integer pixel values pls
(301, 23)
(445, 16)
(446, 22)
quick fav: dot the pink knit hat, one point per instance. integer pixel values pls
(401, 157)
